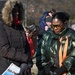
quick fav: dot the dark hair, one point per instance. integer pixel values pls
(63, 16)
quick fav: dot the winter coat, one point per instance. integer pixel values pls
(50, 48)
(14, 47)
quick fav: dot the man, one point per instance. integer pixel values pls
(58, 47)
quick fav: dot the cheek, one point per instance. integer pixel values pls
(60, 29)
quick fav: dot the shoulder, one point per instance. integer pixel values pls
(71, 33)
(47, 34)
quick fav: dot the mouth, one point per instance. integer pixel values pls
(57, 31)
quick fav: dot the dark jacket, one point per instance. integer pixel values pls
(14, 47)
(50, 48)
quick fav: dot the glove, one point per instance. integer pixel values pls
(47, 68)
(59, 71)
(24, 67)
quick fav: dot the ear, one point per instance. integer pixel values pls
(66, 22)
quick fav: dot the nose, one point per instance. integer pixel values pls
(55, 28)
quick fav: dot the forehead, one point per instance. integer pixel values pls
(56, 21)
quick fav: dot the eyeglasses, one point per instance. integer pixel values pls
(55, 26)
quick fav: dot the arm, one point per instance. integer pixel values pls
(44, 55)
(42, 20)
(7, 51)
(46, 63)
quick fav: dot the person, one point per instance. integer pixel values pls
(14, 47)
(45, 22)
(46, 15)
(45, 25)
(58, 47)
(31, 34)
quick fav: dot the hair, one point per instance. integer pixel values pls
(9, 9)
(63, 16)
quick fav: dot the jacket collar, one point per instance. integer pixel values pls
(60, 34)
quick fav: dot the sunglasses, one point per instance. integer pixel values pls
(55, 26)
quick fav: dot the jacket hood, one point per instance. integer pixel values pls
(7, 16)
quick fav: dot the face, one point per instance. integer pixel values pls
(57, 25)
(48, 24)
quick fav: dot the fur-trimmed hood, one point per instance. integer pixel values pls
(7, 11)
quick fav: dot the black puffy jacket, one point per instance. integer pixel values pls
(14, 47)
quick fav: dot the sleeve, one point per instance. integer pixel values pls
(38, 55)
(7, 51)
(43, 49)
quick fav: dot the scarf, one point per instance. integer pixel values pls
(63, 54)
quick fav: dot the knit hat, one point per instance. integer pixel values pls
(32, 28)
(48, 19)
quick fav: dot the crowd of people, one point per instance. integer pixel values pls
(14, 47)
(55, 48)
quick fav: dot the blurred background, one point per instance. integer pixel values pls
(35, 8)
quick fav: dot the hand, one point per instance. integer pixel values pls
(59, 71)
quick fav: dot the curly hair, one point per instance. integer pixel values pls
(7, 14)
